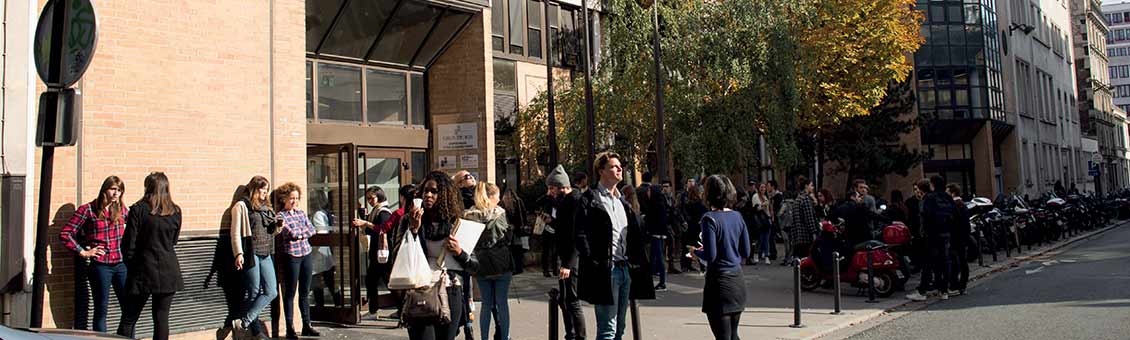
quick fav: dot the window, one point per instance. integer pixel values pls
(309, 90)
(417, 86)
(339, 92)
(517, 25)
(533, 36)
(498, 25)
(387, 97)
(505, 77)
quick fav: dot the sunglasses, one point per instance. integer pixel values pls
(430, 190)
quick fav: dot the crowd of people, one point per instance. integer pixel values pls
(607, 243)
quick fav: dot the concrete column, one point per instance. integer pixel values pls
(1010, 163)
(982, 145)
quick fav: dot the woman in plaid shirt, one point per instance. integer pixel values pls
(94, 233)
(297, 268)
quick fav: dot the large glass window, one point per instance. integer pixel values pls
(339, 92)
(445, 31)
(405, 32)
(517, 26)
(387, 97)
(498, 25)
(355, 32)
(505, 78)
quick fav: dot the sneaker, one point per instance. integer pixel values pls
(767, 261)
(945, 296)
(955, 292)
(370, 316)
(661, 288)
(916, 296)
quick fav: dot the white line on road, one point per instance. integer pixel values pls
(1033, 271)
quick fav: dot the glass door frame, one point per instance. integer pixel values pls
(347, 236)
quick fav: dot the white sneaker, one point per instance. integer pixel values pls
(954, 293)
(916, 297)
(945, 296)
(766, 260)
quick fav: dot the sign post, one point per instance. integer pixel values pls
(65, 38)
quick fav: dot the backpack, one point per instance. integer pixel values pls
(944, 213)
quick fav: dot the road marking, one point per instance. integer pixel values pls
(1033, 271)
(1048, 263)
(1068, 261)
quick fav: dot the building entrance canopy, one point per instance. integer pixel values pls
(404, 34)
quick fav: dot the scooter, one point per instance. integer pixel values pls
(884, 264)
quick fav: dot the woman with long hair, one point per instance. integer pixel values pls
(516, 218)
(824, 203)
(694, 209)
(298, 266)
(151, 258)
(725, 242)
(94, 233)
(435, 223)
(254, 225)
(496, 266)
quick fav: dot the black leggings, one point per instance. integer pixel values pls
(724, 326)
(456, 301)
(161, 304)
(297, 280)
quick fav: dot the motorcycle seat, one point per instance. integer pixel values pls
(871, 245)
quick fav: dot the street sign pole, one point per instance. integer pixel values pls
(46, 170)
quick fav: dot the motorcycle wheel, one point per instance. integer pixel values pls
(884, 284)
(809, 281)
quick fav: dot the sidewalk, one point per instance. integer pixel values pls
(676, 315)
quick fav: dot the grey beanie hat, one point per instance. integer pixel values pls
(558, 177)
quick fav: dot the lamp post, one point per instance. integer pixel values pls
(590, 120)
(551, 115)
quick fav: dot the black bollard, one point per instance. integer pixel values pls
(554, 294)
(796, 295)
(637, 333)
(870, 278)
(836, 280)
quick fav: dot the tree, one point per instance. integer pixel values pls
(869, 146)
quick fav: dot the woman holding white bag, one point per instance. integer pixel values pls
(433, 224)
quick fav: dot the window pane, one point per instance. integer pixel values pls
(405, 33)
(447, 29)
(944, 96)
(552, 18)
(319, 15)
(498, 17)
(517, 27)
(954, 14)
(535, 43)
(358, 28)
(961, 97)
(938, 34)
(926, 78)
(504, 77)
(387, 96)
(418, 98)
(534, 16)
(957, 34)
(937, 14)
(309, 90)
(339, 92)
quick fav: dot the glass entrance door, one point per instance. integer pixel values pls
(332, 192)
(386, 170)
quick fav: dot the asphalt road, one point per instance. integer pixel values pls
(1081, 293)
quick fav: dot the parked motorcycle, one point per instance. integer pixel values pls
(885, 265)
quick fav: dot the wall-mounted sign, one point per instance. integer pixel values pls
(469, 161)
(462, 136)
(447, 162)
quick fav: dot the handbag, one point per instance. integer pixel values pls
(429, 305)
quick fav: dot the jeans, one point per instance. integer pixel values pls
(763, 243)
(959, 278)
(299, 270)
(102, 278)
(571, 314)
(724, 326)
(131, 311)
(82, 295)
(610, 318)
(658, 261)
(936, 275)
(495, 292)
(260, 288)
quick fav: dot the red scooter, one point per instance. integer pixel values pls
(884, 265)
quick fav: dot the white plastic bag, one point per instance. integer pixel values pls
(411, 269)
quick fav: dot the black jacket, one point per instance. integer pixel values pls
(566, 228)
(653, 206)
(148, 249)
(594, 250)
(938, 213)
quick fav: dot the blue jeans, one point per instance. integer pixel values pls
(610, 318)
(495, 292)
(658, 260)
(298, 274)
(763, 244)
(102, 278)
(260, 288)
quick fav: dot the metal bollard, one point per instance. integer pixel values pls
(637, 333)
(836, 280)
(796, 295)
(870, 278)
(554, 294)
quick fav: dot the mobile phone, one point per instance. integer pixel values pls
(417, 202)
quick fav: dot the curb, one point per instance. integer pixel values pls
(977, 275)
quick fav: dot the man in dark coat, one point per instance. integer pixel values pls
(653, 206)
(564, 200)
(613, 264)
